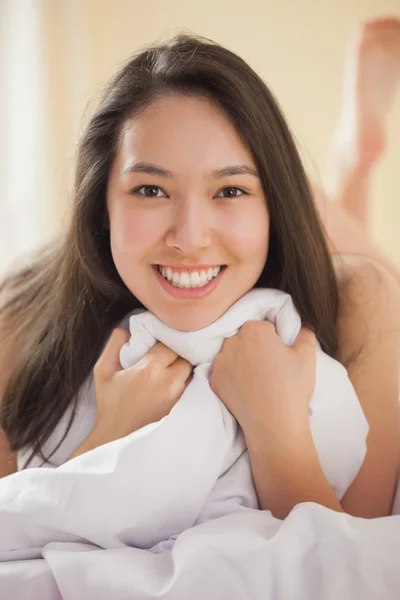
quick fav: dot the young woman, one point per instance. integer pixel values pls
(188, 166)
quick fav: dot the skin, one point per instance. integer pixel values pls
(369, 284)
(187, 234)
(371, 79)
(369, 344)
(271, 405)
(191, 221)
(276, 465)
(161, 375)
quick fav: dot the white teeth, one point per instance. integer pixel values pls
(184, 279)
(194, 279)
(203, 278)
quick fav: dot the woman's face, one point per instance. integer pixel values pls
(184, 198)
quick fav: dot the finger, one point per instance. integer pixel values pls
(162, 354)
(180, 374)
(181, 369)
(305, 339)
(108, 364)
(269, 326)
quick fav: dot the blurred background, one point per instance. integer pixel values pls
(56, 56)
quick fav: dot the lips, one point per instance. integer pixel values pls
(183, 292)
(185, 278)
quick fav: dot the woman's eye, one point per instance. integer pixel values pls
(231, 192)
(153, 191)
(150, 191)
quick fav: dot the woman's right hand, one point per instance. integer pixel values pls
(128, 399)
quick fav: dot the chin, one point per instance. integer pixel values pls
(189, 323)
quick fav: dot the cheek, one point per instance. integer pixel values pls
(249, 235)
(132, 231)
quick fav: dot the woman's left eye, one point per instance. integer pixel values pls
(231, 192)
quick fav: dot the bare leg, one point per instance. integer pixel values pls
(372, 75)
(348, 237)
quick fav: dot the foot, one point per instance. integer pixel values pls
(372, 76)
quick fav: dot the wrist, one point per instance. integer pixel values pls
(293, 435)
(287, 472)
(93, 440)
(102, 433)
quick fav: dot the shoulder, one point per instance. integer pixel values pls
(369, 308)
(359, 275)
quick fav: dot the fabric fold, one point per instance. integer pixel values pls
(147, 490)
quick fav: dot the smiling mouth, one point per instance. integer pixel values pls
(190, 279)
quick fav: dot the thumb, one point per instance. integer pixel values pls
(108, 364)
(305, 341)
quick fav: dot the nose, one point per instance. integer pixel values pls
(191, 229)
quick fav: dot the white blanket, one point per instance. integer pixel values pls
(171, 511)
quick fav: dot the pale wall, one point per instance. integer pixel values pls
(297, 47)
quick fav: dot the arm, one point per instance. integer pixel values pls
(288, 472)
(268, 386)
(8, 461)
(369, 346)
(284, 461)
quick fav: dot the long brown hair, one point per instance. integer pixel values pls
(65, 303)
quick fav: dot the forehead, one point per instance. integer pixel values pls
(181, 132)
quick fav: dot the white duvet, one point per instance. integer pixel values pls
(171, 511)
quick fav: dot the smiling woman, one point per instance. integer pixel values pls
(189, 193)
(187, 213)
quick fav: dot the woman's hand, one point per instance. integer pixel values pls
(265, 384)
(132, 398)
(268, 386)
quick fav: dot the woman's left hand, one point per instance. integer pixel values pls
(265, 384)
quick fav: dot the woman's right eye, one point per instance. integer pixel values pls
(150, 191)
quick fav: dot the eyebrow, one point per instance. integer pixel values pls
(152, 169)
